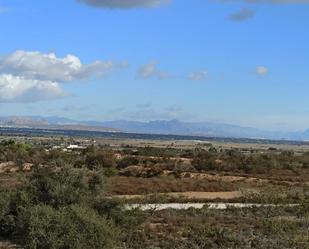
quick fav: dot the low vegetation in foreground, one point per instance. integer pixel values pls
(55, 198)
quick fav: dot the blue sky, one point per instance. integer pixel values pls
(225, 61)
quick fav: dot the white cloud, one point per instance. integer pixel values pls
(129, 4)
(19, 89)
(4, 9)
(242, 15)
(264, 1)
(36, 65)
(39, 76)
(151, 70)
(200, 75)
(144, 106)
(277, 1)
(153, 114)
(262, 71)
(124, 4)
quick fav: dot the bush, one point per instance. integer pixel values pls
(204, 161)
(73, 227)
(127, 161)
(98, 159)
(61, 188)
(6, 219)
(60, 209)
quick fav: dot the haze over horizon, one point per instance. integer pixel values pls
(236, 62)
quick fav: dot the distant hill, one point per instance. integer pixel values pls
(51, 123)
(164, 127)
(22, 121)
(305, 135)
(175, 127)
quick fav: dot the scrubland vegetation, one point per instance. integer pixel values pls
(55, 198)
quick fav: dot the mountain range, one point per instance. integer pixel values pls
(164, 127)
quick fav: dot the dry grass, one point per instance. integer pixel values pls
(120, 185)
(8, 245)
(9, 181)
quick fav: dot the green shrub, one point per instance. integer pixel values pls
(58, 188)
(127, 161)
(109, 172)
(204, 161)
(72, 227)
(98, 159)
(7, 221)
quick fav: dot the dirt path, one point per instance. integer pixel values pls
(184, 206)
(190, 195)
